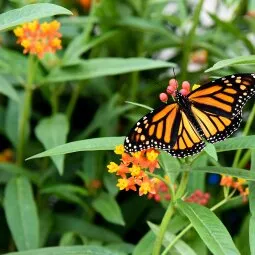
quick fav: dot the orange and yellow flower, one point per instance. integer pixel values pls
(38, 39)
(6, 155)
(132, 170)
(238, 184)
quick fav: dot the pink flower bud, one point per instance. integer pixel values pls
(163, 97)
(186, 85)
(173, 83)
(184, 92)
(170, 90)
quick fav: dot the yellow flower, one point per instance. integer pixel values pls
(119, 149)
(112, 167)
(19, 31)
(195, 86)
(241, 181)
(135, 170)
(122, 183)
(136, 154)
(144, 188)
(151, 155)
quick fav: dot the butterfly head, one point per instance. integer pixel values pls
(182, 99)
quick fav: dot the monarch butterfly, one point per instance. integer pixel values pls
(212, 113)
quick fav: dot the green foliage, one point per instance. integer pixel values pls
(82, 100)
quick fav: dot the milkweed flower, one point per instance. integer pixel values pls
(38, 39)
(132, 170)
(238, 184)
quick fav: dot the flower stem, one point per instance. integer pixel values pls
(169, 212)
(163, 226)
(25, 114)
(73, 101)
(245, 132)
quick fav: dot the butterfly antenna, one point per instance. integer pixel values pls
(175, 79)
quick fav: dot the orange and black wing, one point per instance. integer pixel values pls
(167, 128)
(188, 140)
(217, 105)
(225, 96)
(158, 129)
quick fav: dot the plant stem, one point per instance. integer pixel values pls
(187, 46)
(169, 212)
(73, 101)
(25, 114)
(245, 132)
(163, 226)
(186, 229)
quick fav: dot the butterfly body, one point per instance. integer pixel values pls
(212, 113)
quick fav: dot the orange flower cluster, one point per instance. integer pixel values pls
(198, 197)
(132, 171)
(39, 39)
(236, 183)
(6, 155)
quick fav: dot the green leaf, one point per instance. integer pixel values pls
(78, 47)
(94, 144)
(65, 223)
(102, 67)
(140, 105)
(51, 132)
(12, 169)
(64, 188)
(21, 213)
(236, 143)
(243, 60)
(107, 206)
(236, 172)
(29, 13)
(7, 89)
(252, 206)
(170, 165)
(145, 245)
(65, 250)
(46, 224)
(211, 151)
(180, 246)
(252, 234)
(125, 248)
(209, 227)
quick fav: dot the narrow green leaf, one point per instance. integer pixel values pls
(180, 246)
(65, 250)
(46, 224)
(236, 143)
(252, 234)
(13, 170)
(107, 206)
(243, 60)
(68, 239)
(64, 188)
(102, 67)
(65, 223)
(236, 172)
(252, 206)
(94, 144)
(145, 245)
(125, 248)
(21, 213)
(29, 13)
(209, 227)
(78, 47)
(7, 89)
(211, 151)
(51, 132)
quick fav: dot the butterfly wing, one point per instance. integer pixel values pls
(188, 140)
(225, 96)
(167, 128)
(217, 105)
(158, 129)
